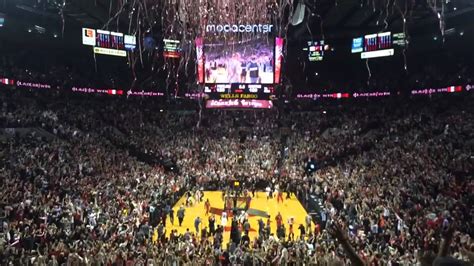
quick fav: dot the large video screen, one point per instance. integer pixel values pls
(245, 62)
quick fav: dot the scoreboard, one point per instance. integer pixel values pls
(374, 42)
(239, 96)
(116, 41)
(239, 91)
(103, 39)
(315, 50)
(171, 48)
(378, 44)
(107, 42)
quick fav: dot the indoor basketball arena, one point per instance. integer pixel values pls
(219, 132)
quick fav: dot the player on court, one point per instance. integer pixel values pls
(207, 206)
(224, 219)
(279, 195)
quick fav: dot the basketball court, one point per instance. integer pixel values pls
(260, 208)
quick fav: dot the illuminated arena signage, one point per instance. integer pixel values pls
(238, 96)
(255, 28)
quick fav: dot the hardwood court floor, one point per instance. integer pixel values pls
(260, 208)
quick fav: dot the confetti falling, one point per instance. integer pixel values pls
(184, 20)
(433, 4)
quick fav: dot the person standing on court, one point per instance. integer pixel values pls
(261, 228)
(279, 219)
(279, 195)
(212, 221)
(268, 190)
(207, 205)
(180, 215)
(308, 221)
(246, 227)
(302, 231)
(268, 228)
(197, 223)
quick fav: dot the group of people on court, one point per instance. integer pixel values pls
(271, 191)
(239, 221)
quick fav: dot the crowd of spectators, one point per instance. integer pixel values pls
(395, 176)
(392, 178)
(88, 181)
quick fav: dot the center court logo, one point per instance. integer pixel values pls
(255, 28)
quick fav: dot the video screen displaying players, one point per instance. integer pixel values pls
(248, 62)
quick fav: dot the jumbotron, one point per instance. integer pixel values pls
(255, 28)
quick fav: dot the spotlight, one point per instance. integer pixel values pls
(311, 166)
(149, 43)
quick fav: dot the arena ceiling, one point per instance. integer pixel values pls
(326, 18)
(322, 19)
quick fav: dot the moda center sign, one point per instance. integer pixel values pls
(250, 28)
